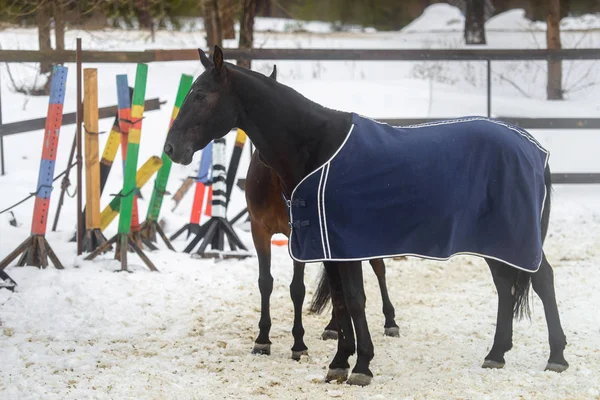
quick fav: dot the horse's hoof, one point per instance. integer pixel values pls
(392, 331)
(297, 354)
(328, 334)
(556, 367)
(359, 379)
(337, 374)
(492, 364)
(262, 348)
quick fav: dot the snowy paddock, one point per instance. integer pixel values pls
(187, 332)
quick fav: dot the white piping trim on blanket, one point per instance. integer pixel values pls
(326, 259)
(461, 120)
(326, 162)
(319, 211)
(328, 253)
(520, 131)
(305, 178)
(466, 253)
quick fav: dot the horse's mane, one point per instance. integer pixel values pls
(291, 93)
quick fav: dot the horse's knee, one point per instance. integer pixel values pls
(297, 289)
(356, 303)
(265, 284)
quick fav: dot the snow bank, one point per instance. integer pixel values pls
(444, 17)
(437, 17)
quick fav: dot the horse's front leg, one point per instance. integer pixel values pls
(354, 293)
(262, 243)
(297, 292)
(338, 368)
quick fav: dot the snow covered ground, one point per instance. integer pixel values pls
(187, 332)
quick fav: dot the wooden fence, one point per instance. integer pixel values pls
(484, 55)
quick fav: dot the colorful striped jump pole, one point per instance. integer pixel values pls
(110, 151)
(202, 180)
(36, 250)
(150, 227)
(183, 189)
(142, 176)
(93, 236)
(125, 123)
(129, 183)
(215, 230)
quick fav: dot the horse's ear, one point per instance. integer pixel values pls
(204, 60)
(218, 58)
(274, 73)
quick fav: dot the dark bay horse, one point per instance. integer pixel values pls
(268, 216)
(296, 137)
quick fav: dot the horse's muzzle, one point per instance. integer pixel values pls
(182, 155)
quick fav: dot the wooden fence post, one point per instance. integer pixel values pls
(93, 236)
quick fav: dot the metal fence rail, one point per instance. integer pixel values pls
(484, 55)
(163, 55)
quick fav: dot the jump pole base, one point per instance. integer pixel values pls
(92, 239)
(214, 232)
(6, 282)
(219, 255)
(123, 243)
(148, 231)
(189, 228)
(34, 251)
(239, 216)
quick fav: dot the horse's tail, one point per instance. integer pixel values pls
(322, 295)
(523, 283)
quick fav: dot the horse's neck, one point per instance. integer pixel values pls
(293, 135)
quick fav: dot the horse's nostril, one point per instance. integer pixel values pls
(168, 149)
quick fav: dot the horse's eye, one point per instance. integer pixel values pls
(199, 96)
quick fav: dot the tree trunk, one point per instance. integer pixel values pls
(59, 25)
(43, 23)
(226, 11)
(554, 87)
(264, 8)
(212, 24)
(474, 22)
(145, 17)
(247, 29)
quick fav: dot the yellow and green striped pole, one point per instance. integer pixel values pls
(143, 175)
(150, 226)
(133, 147)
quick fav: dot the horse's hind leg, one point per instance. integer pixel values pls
(338, 368)
(262, 243)
(543, 284)
(354, 293)
(297, 292)
(331, 330)
(504, 278)
(390, 327)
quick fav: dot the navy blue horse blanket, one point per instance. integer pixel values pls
(461, 186)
